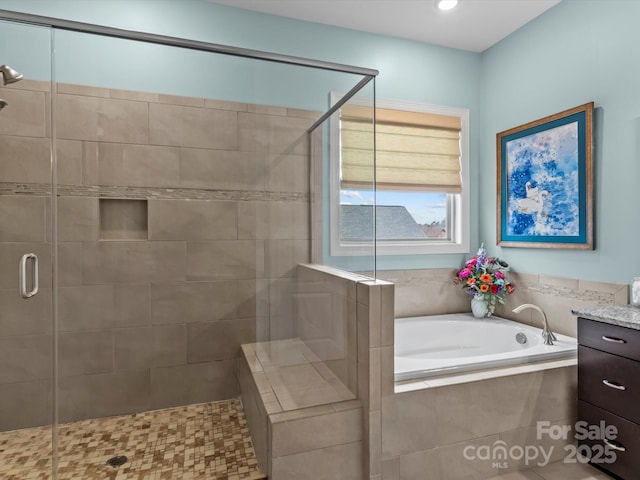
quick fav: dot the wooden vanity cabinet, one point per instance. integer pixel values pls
(609, 392)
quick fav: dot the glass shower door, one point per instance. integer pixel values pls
(164, 249)
(26, 326)
(150, 225)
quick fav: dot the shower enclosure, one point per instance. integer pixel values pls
(159, 194)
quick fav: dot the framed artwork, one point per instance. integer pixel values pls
(545, 182)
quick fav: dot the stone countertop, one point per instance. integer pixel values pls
(622, 315)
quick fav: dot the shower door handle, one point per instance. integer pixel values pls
(22, 274)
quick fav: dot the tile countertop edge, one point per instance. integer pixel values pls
(622, 315)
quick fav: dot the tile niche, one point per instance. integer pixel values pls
(123, 219)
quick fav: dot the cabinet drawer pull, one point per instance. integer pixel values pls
(614, 446)
(613, 339)
(614, 385)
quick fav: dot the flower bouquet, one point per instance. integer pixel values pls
(485, 278)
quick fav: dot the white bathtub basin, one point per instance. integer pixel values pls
(442, 344)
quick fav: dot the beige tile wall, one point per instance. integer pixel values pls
(431, 292)
(340, 317)
(25, 325)
(204, 217)
(428, 430)
(326, 318)
(375, 365)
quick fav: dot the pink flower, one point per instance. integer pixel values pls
(499, 274)
(464, 273)
(471, 262)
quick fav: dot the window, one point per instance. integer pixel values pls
(421, 193)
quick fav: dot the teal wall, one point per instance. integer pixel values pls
(440, 76)
(409, 71)
(117, 63)
(579, 51)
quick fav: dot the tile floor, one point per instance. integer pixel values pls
(206, 441)
(557, 471)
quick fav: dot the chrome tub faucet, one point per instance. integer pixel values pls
(547, 334)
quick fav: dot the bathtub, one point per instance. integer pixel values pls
(444, 344)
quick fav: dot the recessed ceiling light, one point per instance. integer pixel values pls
(446, 4)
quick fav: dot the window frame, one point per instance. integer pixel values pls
(458, 205)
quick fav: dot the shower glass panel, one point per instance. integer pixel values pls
(26, 326)
(344, 196)
(326, 298)
(182, 216)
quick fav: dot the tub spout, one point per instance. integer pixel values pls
(547, 334)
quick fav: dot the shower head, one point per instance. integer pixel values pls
(9, 75)
(3, 104)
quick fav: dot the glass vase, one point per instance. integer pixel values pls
(479, 307)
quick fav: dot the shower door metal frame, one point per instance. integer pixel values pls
(182, 42)
(368, 74)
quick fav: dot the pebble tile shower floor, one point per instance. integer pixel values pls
(205, 441)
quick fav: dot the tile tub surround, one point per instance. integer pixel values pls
(428, 430)
(431, 292)
(161, 318)
(205, 441)
(557, 471)
(305, 424)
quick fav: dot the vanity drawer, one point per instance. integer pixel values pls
(610, 382)
(609, 338)
(627, 462)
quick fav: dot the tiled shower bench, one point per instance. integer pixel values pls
(304, 423)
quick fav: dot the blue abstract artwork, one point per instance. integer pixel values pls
(545, 182)
(542, 188)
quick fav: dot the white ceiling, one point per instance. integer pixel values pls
(474, 25)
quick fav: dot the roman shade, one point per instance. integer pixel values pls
(414, 151)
